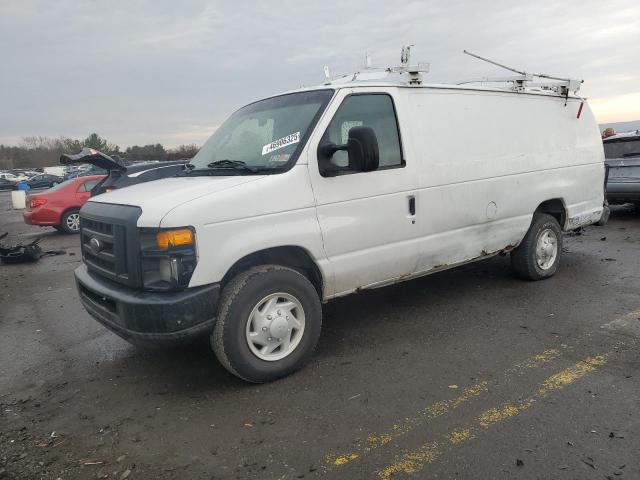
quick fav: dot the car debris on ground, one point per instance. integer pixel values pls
(24, 253)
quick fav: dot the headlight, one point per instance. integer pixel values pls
(168, 257)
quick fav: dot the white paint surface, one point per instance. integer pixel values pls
(479, 162)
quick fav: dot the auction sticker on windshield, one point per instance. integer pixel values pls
(281, 143)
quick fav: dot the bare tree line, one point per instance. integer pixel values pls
(39, 151)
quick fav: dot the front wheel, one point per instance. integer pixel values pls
(538, 255)
(268, 323)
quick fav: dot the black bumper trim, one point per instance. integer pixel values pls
(165, 317)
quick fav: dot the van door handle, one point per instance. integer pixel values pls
(412, 205)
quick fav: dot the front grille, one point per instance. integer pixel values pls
(109, 240)
(104, 260)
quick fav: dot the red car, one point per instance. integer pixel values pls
(58, 207)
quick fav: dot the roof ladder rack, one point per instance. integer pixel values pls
(562, 86)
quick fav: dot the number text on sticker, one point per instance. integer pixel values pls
(281, 142)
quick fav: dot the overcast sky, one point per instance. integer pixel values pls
(164, 71)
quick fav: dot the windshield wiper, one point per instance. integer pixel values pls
(225, 165)
(232, 164)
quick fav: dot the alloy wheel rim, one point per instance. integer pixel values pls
(73, 221)
(546, 249)
(275, 326)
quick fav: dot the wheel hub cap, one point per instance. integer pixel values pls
(275, 326)
(546, 249)
(279, 327)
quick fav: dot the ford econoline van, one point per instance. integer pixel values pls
(322, 192)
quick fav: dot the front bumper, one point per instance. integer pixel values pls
(148, 317)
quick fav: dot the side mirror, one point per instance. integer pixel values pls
(362, 148)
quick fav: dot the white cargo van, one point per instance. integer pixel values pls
(310, 195)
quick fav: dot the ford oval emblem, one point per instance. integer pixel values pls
(95, 245)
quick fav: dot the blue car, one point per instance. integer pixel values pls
(44, 180)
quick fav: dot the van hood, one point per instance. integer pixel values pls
(158, 197)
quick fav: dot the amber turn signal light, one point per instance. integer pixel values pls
(174, 238)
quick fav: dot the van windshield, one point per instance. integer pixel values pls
(263, 137)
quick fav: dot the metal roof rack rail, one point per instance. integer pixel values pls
(559, 85)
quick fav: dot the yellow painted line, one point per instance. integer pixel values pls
(413, 462)
(428, 413)
(459, 436)
(341, 460)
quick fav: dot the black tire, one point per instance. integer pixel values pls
(238, 299)
(65, 223)
(523, 258)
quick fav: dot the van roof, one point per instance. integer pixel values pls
(532, 90)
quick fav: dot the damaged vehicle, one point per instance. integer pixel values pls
(310, 195)
(622, 157)
(119, 173)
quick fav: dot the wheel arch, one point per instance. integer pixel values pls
(292, 256)
(556, 208)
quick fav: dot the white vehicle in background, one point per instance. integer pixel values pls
(11, 177)
(57, 170)
(322, 192)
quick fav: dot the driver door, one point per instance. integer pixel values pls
(368, 219)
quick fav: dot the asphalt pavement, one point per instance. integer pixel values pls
(469, 373)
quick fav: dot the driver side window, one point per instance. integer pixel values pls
(366, 110)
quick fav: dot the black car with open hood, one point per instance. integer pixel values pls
(94, 157)
(121, 173)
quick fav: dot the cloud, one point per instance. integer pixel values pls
(618, 108)
(160, 71)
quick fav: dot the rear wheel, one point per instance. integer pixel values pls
(538, 256)
(70, 221)
(268, 323)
